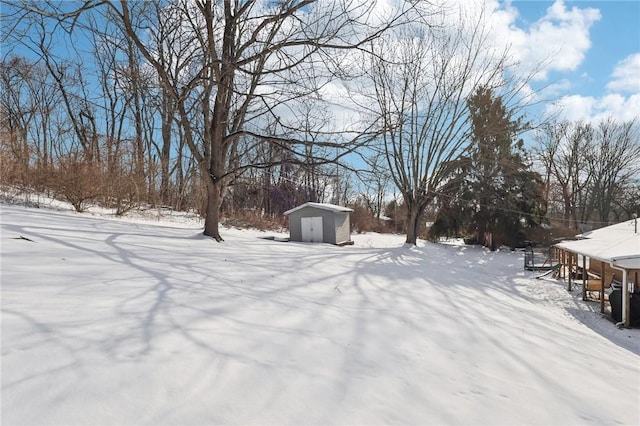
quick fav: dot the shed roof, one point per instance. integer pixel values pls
(619, 243)
(324, 206)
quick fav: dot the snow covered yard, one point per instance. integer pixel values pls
(108, 321)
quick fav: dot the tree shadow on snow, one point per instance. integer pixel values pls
(260, 307)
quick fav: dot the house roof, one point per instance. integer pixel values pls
(323, 206)
(618, 244)
(631, 262)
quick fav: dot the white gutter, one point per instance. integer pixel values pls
(625, 296)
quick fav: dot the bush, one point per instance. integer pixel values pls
(361, 219)
(253, 219)
(123, 192)
(76, 182)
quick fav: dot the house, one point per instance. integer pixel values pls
(320, 223)
(613, 255)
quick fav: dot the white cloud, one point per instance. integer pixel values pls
(554, 90)
(556, 42)
(616, 104)
(626, 75)
(559, 41)
(588, 108)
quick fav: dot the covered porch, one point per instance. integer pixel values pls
(606, 263)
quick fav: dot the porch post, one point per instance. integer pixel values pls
(626, 300)
(584, 279)
(602, 266)
(570, 270)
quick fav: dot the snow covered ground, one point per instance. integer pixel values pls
(110, 321)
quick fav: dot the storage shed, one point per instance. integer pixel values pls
(320, 223)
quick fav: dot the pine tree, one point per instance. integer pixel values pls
(494, 194)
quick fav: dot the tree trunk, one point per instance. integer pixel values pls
(481, 227)
(574, 217)
(213, 210)
(567, 208)
(165, 158)
(413, 224)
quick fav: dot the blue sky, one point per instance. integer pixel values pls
(591, 47)
(597, 71)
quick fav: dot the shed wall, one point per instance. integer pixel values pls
(328, 224)
(295, 227)
(343, 227)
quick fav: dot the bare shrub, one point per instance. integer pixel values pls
(361, 219)
(14, 161)
(396, 211)
(124, 192)
(75, 181)
(123, 188)
(254, 219)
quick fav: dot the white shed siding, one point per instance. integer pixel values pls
(311, 228)
(343, 228)
(319, 222)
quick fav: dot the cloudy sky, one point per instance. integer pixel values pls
(591, 48)
(586, 53)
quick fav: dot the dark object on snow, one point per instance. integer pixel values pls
(530, 263)
(615, 298)
(24, 238)
(274, 238)
(529, 259)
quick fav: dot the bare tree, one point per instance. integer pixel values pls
(628, 203)
(421, 78)
(18, 107)
(70, 81)
(30, 105)
(563, 149)
(613, 164)
(376, 181)
(234, 68)
(593, 166)
(245, 62)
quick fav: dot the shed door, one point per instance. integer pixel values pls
(312, 229)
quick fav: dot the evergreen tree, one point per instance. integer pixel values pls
(494, 195)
